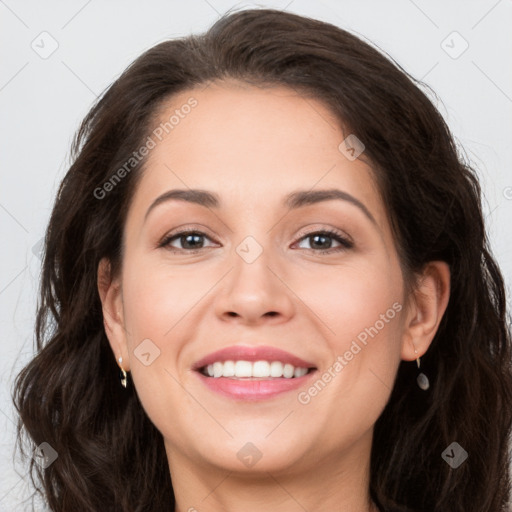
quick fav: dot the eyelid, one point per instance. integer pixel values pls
(200, 228)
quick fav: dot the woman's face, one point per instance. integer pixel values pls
(259, 272)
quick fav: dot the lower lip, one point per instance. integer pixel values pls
(253, 389)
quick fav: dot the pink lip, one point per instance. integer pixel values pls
(252, 353)
(252, 389)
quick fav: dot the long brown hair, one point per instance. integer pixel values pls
(110, 455)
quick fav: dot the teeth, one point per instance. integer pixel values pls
(299, 372)
(260, 368)
(276, 369)
(243, 369)
(240, 369)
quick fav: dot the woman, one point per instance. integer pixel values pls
(269, 230)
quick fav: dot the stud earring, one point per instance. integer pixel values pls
(422, 379)
(122, 373)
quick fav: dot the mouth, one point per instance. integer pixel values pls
(253, 373)
(250, 388)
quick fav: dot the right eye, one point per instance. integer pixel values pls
(190, 240)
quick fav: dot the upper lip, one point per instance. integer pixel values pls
(252, 353)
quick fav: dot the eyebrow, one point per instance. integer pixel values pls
(294, 200)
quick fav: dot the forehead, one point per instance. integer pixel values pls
(252, 146)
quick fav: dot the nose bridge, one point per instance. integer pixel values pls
(252, 259)
(252, 241)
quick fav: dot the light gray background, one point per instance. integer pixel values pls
(42, 101)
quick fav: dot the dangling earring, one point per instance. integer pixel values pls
(122, 373)
(422, 379)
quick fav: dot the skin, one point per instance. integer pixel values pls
(252, 146)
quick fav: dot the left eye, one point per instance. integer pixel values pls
(321, 238)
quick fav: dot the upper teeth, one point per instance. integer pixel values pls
(254, 369)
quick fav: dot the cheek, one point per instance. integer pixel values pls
(156, 296)
(349, 300)
(155, 299)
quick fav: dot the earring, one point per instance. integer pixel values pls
(422, 379)
(122, 373)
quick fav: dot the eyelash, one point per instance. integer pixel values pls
(331, 233)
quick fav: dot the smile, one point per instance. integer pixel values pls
(245, 385)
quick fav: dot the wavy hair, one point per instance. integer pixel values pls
(110, 456)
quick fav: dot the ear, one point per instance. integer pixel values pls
(113, 319)
(425, 309)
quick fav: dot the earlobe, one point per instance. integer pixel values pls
(109, 290)
(427, 306)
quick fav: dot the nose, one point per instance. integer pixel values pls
(255, 292)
